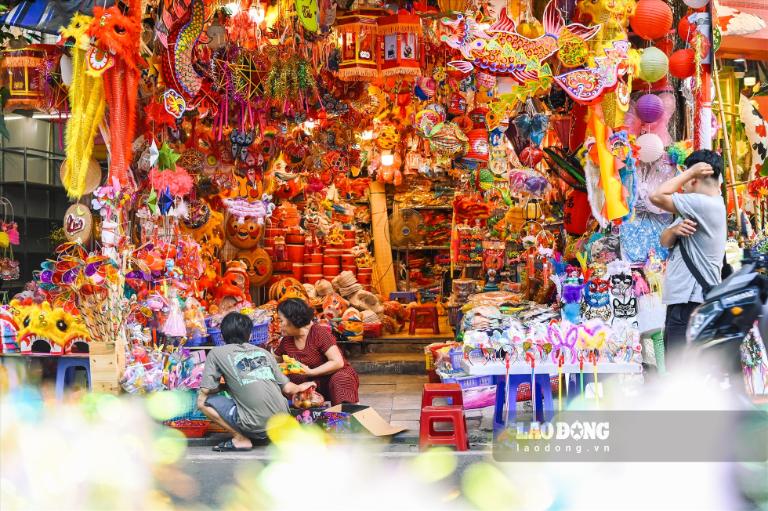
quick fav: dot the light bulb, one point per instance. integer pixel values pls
(387, 159)
(367, 135)
(750, 81)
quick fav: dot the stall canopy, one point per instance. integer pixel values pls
(745, 31)
(43, 15)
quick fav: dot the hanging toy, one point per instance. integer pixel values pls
(116, 55)
(87, 104)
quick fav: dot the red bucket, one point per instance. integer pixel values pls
(295, 253)
(311, 278)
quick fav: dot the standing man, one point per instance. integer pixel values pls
(698, 235)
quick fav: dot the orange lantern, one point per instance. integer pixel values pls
(401, 48)
(23, 75)
(358, 39)
(652, 19)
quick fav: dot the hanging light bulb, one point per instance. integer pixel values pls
(256, 13)
(387, 159)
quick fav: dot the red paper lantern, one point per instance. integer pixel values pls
(652, 19)
(576, 212)
(685, 29)
(681, 63)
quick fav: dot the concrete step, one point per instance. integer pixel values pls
(385, 346)
(388, 363)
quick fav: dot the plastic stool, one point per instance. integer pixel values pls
(403, 296)
(65, 368)
(544, 406)
(435, 390)
(429, 436)
(419, 313)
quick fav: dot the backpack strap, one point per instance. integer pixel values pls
(706, 287)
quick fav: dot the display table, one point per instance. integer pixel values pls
(520, 373)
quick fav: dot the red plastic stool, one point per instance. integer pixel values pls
(435, 390)
(424, 316)
(457, 437)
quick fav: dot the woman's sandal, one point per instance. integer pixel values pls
(228, 446)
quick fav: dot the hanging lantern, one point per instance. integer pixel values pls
(650, 108)
(653, 65)
(401, 51)
(682, 63)
(22, 68)
(652, 19)
(358, 38)
(447, 6)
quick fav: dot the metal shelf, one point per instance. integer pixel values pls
(40, 186)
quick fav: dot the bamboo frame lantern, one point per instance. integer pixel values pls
(358, 39)
(401, 44)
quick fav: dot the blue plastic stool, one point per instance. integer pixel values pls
(403, 296)
(544, 407)
(65, 373)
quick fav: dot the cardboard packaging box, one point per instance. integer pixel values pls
(345, 419)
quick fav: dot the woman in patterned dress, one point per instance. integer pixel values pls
(314, 346)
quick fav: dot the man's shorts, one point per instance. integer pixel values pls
(227, 410)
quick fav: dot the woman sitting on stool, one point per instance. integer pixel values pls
(315, 348)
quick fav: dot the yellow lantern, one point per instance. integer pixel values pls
(401, 48)
(358, 39)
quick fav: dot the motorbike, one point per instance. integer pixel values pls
(732, 312)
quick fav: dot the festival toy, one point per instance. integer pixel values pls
(308, 399)
(9, 330)
(180, 34)
(86, 103)
(45, 329)
(499, 48)
(589, 85)
(291, 366)
(115, 55)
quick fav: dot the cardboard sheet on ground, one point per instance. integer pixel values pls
(358, 418)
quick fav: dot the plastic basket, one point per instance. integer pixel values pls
(190, 428)
(260, 334)
(188, 408)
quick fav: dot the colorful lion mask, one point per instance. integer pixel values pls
(44, 329)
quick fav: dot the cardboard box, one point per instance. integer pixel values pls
(345, 418)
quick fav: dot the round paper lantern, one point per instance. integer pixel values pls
(695, 4)
(653, 65)
(681, 63)
(650, 108)
(685, 29)
(651, 147)
(652, 19)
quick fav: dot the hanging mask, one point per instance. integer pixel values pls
(532, 126)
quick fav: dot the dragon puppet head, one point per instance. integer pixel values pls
(76, 33)
(117, 29)
(45, 329)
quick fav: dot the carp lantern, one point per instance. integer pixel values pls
(401, 48)
(358, 38)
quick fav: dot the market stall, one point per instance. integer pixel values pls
(411, 171)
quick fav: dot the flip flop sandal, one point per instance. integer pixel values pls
(228, 446)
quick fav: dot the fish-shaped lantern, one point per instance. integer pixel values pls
(588, 85)
(499, 49)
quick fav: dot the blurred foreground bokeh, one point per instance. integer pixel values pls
(105, 452)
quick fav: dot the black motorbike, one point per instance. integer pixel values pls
(732, 312)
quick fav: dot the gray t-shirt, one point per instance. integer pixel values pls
(706, 247)
(254, 380)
